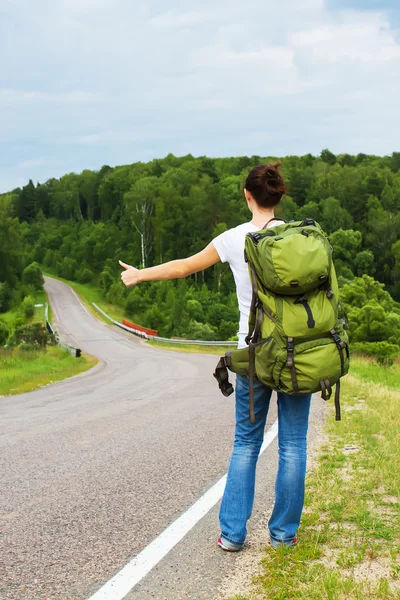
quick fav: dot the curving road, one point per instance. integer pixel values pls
(95, 467)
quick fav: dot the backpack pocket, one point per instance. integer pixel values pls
(314, 361)
(266, 354)
(308, 315)
(239, 361)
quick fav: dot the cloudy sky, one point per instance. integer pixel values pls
(90, 82)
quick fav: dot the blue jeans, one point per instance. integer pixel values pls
(237, 502)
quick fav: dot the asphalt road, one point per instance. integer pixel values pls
(94, 468)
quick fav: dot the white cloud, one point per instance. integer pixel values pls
(177, 20)
(93, 81)
(10, 96)
(34, 162)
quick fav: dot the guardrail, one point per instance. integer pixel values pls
(161, 339)
(75, 352)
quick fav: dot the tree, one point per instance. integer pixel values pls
(346, 160)
(312, 210)
(6, 297)
(395, 162)
(328, 157)
(333, 216)
(364, 263)
(65, 198)
(396, 272)
(4, 333)
(388, 199)
(371, 311)
(372, 323)
(11, 250)
(28, 307)
(32, 275)
(364, 290)
(139, 203)
(25, 203)
(346, 244)
(287, 209)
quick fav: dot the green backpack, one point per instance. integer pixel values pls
(297, 343)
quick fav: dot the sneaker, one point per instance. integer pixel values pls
(228, 546)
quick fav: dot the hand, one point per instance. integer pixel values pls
(130, 276)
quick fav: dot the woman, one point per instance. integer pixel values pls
(264, 189)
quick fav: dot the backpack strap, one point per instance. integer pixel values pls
(340, 346)
(273, 219)
(290, 363)
(337, 401)
(326, 392)
(252, 373)
(221, 375)
(253, 305)
(326, 389)
(255, 322)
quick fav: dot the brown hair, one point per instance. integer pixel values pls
(266, 185)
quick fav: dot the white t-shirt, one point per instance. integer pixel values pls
(230, 247)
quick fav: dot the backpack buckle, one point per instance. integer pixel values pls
(337, 338)
(290, 353)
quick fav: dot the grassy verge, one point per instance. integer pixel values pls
(41, 298)
(368, 369)
(350, 533)
(22, 371)
(15, 317)
(10, 317)
(191, 348)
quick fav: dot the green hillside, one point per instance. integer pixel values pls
(78, 227)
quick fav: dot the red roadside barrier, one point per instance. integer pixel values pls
(139, 327)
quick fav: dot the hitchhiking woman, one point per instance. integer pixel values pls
(264, 189)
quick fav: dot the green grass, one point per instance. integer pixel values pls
(368, 369)
(12, 316)
(350, 531)
(22, 371)
(40, 298)
(192, 348)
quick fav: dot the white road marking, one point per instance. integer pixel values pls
(123, 582)
(80, 302)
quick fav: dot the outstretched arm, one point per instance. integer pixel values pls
(171, 270)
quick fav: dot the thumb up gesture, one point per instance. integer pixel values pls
(130, 276)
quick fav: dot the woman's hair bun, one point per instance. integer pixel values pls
(266, 184)
(271, 173)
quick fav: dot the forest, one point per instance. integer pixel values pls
(78, 227)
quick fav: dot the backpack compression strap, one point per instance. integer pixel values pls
(337, 400)
(255, 322)
(221, 375)
(252, 373)
(326, 392)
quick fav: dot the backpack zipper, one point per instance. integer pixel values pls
(310, 319)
